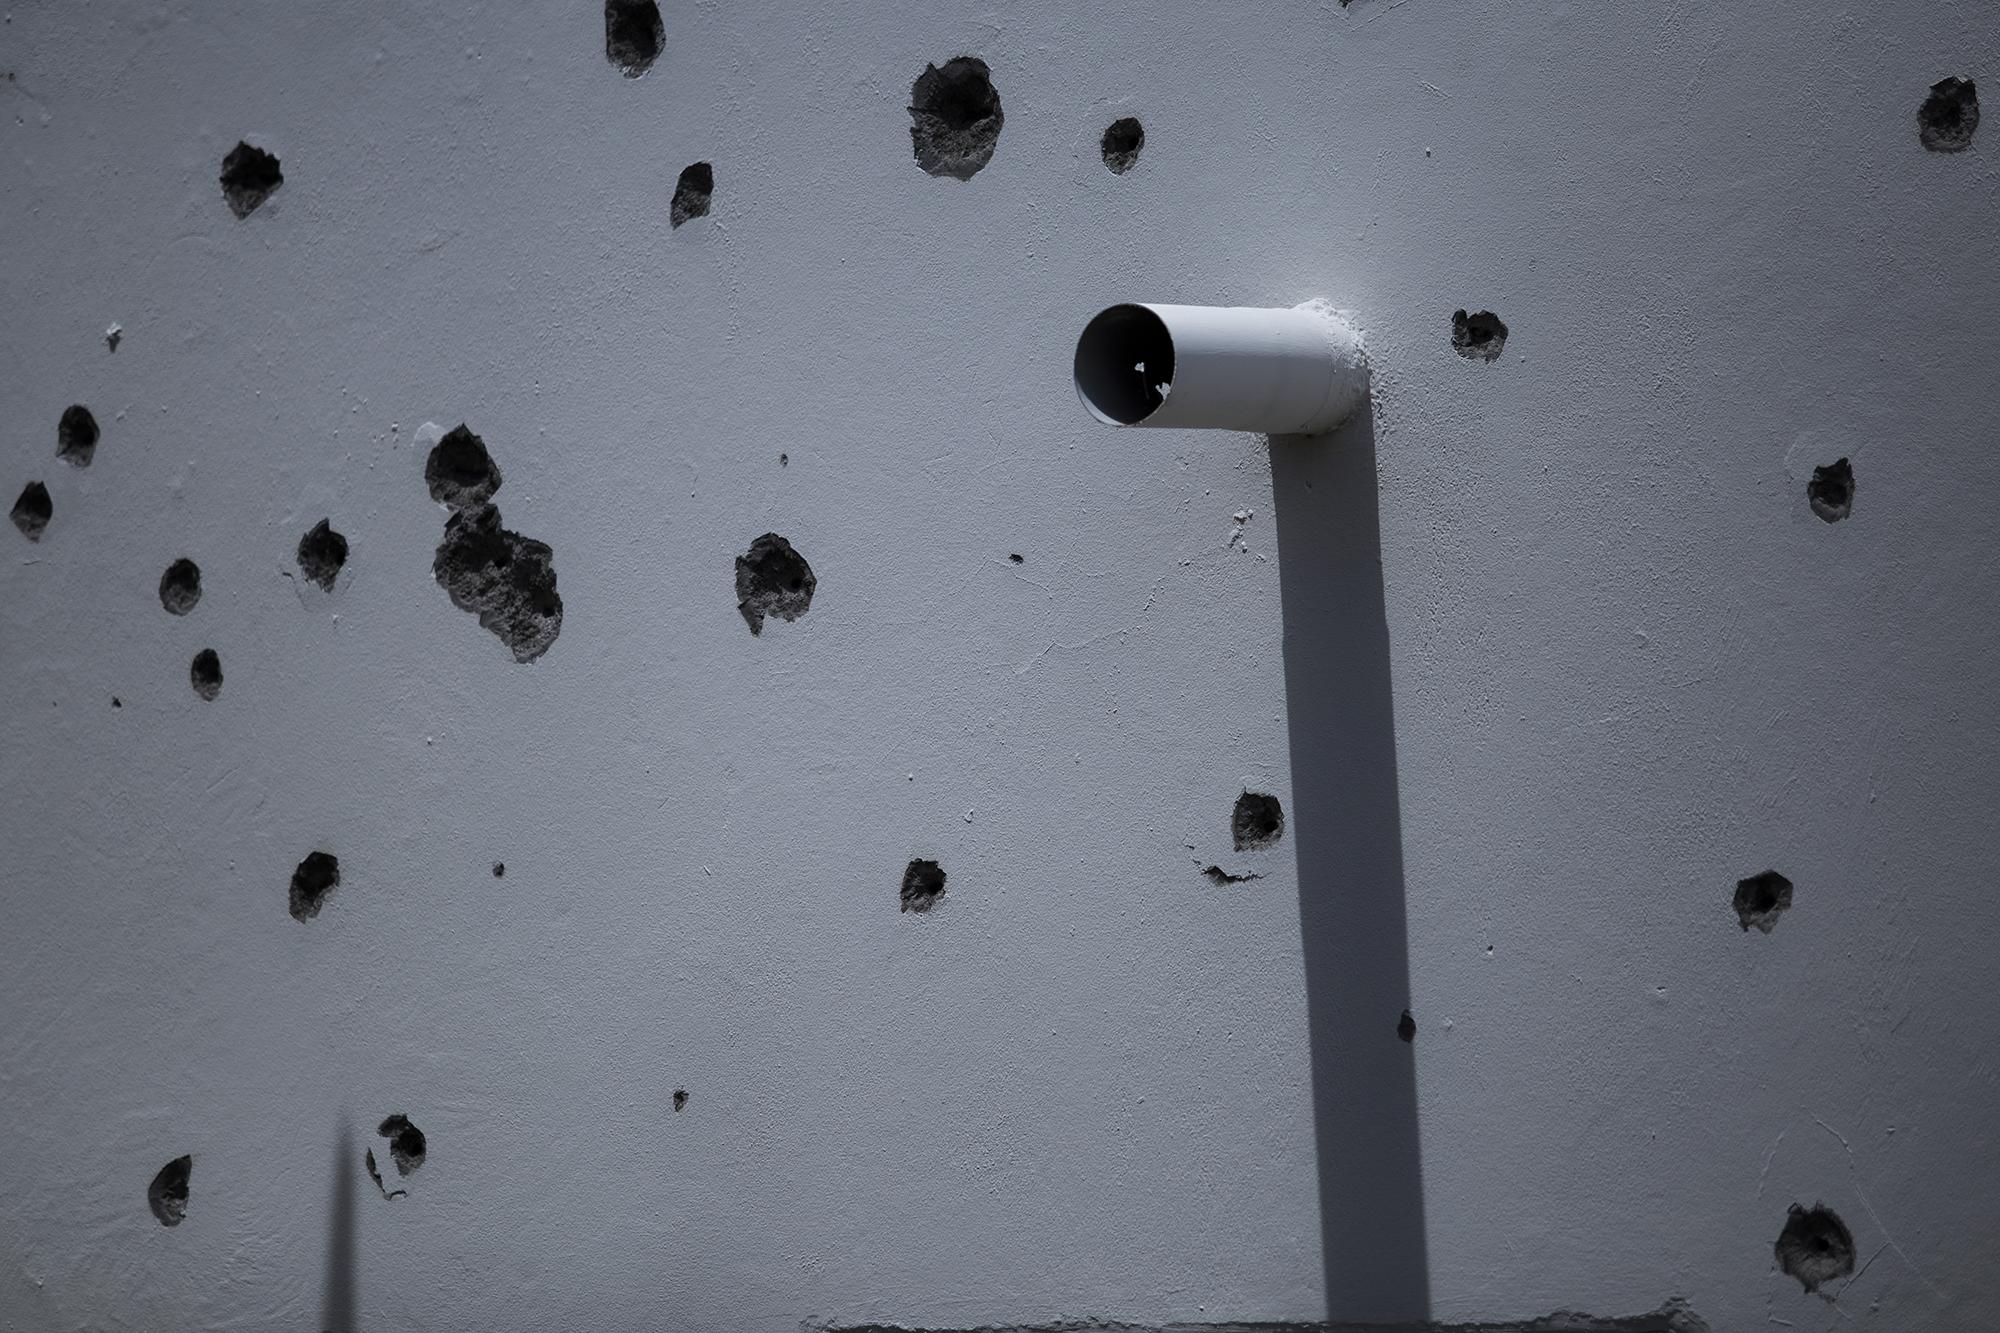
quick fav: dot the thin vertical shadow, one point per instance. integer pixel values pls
(1347, 824)
(337, 1305)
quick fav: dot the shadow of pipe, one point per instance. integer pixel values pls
(337, 1302)
(1347, 825)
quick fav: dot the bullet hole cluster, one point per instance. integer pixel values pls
(1478, 337)
(32, 511)
(634, 35)
(923, 885)
(1948, 117)
(692, 194)
(1761, 900)
(205, 674)
(249, 177)
(167, 1194)
(507, 580)
(180, 587)
(1815, 1246)
(955, 117)
(1123, 139)
(315, 879)
(1257, 821)
(772, 579)
(1831, 491)
(322, 552)
(76, 436)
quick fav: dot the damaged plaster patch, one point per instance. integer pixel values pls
(1815, 1247)
(180, 586)
(407, 1144)
(1478, 337)
(955, 117)
(772, 579)
(1761, 899)
(167, 1195)
(459, 471)
(317, 876)
(1257, 821)
(249, 177)
(1121, 143)
(508, 580)
(322, 552)
(1831, 490)
(76, 436)
(692, 194)
(634, 35)
(1948, 117)
(32, 511)
(205, 674)
(923, 885)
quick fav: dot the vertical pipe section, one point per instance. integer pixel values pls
(1297, 371)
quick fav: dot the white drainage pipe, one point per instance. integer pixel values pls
(1278, 372)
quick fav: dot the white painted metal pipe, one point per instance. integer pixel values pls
(1279, 372)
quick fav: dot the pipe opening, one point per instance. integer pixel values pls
(1124, 365)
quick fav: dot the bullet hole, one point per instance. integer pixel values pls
(1478, 337)
(507, 579)
(1217, 875)
(634, 35)
(680, 1099)
(784, 460)
(180, 586)
(317, 876)
(1017, 558)
(406, 1143)
(692, 194)
(1815, 1247)
(1257, 821)
(249, 177)
(375, 1174)
(76, 436)
(499, 869)
(923, 885)
(955, 117)
(205, 674)
(459, 471)
(167, 1196)
(32, 512)
(321, 554)
(113, 336)
(1121, 144)
(116, 702)
(1948, 117)
(1760, 900)
(1406, 1027)
(1831, 491)
(773, 580)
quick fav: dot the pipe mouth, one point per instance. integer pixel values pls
(1124, 364)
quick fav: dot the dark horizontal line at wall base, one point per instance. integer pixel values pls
(1673, 1317)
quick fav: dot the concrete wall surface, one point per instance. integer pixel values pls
(516, 904)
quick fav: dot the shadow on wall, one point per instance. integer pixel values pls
(337, 1304)
(1348, 839)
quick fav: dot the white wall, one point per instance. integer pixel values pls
(1628, 667)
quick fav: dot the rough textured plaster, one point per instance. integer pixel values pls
(1629, 666)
